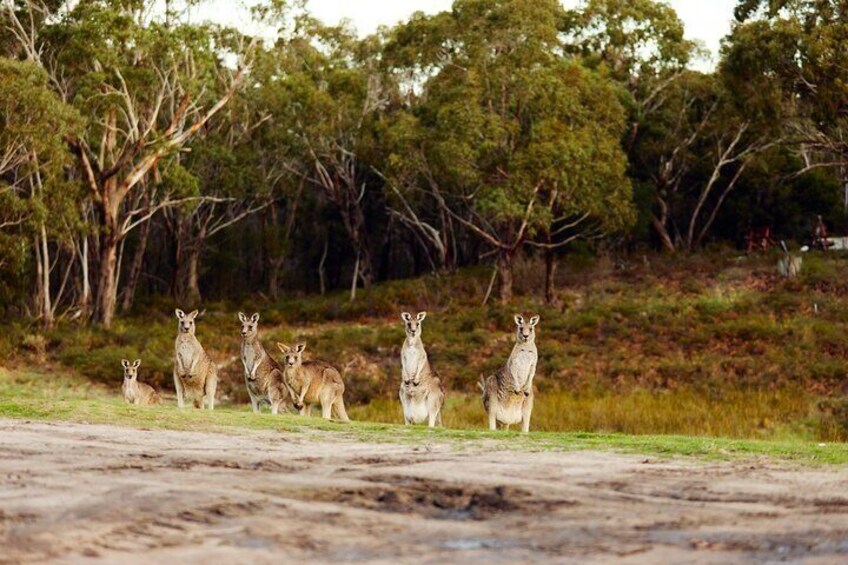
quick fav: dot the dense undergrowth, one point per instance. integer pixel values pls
(714, 344)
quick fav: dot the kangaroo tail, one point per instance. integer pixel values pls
(339, 409)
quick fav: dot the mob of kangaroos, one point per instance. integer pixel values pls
(301, 384)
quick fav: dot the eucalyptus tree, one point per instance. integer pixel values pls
(142, 80)
(327, 93)
(39, 215)
(521, 143)
(787, 62)
(222, 182)
(692, 155)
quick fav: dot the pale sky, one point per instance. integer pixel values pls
(706, 20)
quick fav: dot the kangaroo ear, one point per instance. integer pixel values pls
(242, 318)
(193, 314)
(406, 316)
(421, 316)
(255, 317)
(125, 363)
(137, 363)
(519, 320)
(180, 314)
(283, 347)
(300, 347)
(533, 321)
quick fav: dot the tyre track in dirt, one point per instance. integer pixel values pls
(75, 493)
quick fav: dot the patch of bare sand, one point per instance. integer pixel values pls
(79, 493)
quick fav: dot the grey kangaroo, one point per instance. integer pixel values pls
(313, 382)
(135, 392)
(508, 394)
(263, 376)
(422, 394)
(194, 371)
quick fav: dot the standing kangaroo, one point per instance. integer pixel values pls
(263, 376)
(194, 371)
(508, 394)
(422, 394)
(313, 382)
(135, 392)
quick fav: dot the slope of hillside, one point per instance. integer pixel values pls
(711, 345)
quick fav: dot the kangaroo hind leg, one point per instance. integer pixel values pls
(339, 407)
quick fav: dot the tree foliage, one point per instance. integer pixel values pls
(146, 153)
(518, 140)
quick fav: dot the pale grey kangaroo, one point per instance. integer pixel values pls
(508, 394)
(263, 376)
(422, 394)
(135, 392)
(194, 371)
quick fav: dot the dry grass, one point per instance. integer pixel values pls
(735, 414)
(59, 396)
(711, 345)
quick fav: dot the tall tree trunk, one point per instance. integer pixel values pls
(187, 271)
(85, 298)
(274, 277)
(42, 295)
(356, 228)
(47, 304)
(550, 275)
(106, 297)
(505, 264)
(192, 286)
(276, 250)
(366, 266)
(135, 268)
(322, 275)
(663, 234)
(107, 293)
(187, 277)
(354, 279)
(660, 224)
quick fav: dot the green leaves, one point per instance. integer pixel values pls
(514, 132)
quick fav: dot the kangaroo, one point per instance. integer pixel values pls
(135, 392)
(789, 266)
(313, 382)
(263, 376)
(194, 371)
(508, 394)
(422, 394)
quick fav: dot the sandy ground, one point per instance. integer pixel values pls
(81, 493)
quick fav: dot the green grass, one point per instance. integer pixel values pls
(711, 345)
(62, 397)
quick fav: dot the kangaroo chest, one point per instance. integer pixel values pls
(521, 364)
(251, 357)
(130, 391)
(186, 352)
(412, 359)
(297, 381)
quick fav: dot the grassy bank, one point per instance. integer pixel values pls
(712, 345)
(62, 397)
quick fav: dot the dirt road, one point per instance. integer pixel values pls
(79, 493)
